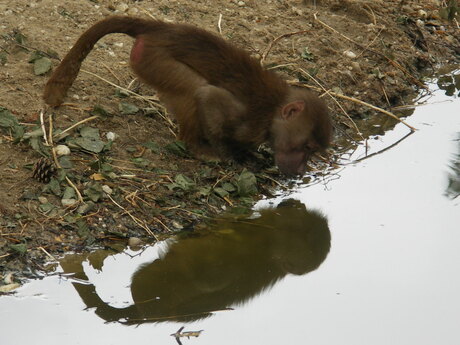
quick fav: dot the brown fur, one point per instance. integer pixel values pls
(222, 98)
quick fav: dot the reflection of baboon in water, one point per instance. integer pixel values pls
(225, 266)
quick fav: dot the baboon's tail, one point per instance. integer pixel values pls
(65, 74)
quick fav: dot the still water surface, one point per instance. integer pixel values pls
(370, 256)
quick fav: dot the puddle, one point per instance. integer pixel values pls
(368, 256)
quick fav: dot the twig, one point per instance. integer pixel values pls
(76, 125)
(385, 94)
(137, 221)
(111, 72)
(371, 43)
(281, 66)
(372, 13)
(164, 225)
(219, 23)
(42, 124)
(274, 181)
(146, 12)
(359, 102)
(48, 254)
(270, 46)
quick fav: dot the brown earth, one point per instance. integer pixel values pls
(374, 51)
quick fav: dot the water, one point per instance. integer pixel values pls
(373, 258)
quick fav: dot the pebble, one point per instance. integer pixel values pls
(62, 150)
(107, 190)
(356, 66)
(134, 242)
(349, 54)
(68, 202)
(122, 7)
(111, 136)
(422, 14)
(9, 278)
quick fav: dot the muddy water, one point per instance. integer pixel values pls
(368, 256)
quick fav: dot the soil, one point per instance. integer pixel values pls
(144, 184)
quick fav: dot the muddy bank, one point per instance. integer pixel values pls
(143, 183)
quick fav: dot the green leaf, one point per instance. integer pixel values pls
(20, 38)
(178, 148)
(127, 108)
(37, 144)
(54, 187)
(38, 132)
(246, 183)
(69, 193)
(36, 54)
(94, 192)
(228, 187)
(90, 144)
(152, 146)
(20, 248)
(99, 111)
(3, 58)
(46, 207)
(42, 66)
(7, 120)
(182, 182)
(66, 162)
(204, 191)
(141, 162)
(90, 132)
(82, 228)
(221, 192)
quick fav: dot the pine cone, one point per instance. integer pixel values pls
(43, 170)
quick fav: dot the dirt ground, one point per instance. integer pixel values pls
(143, 184)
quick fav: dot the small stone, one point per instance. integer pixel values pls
(241, 3)
(9, 278)
(420, 23)
(68, 202)
(62, 150)
(42, 200)
(349, 54)
(422, 14)
(107, 190)
(85, 208)
(355, 66)
(111, 136)
(122, 7)
(134, 242)
(297, 11)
